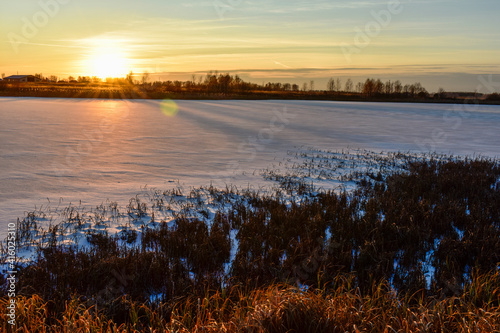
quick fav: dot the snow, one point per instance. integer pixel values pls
(88, 151)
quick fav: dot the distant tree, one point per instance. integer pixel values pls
(3, 75)
(493, 97)
(145, 77)
(359, 87)
(311, 85)
(369, 87)
(188, 84)
(211, 81)
(224, 82)
(373, 87)
(287, 87)
(304, 86)
(440, 94)
(237, 81)
(348, 85)
(84, 79)
(95, 79)
(130, 77)
(406, 89)
(295, 87)
(39, 76)
(379, 87)
(397, 87)
(53, 78)
(412, 90)
(330, 86)
(389, 87)
(419, 90)
(338, 84)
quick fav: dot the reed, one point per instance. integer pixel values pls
(293, 259)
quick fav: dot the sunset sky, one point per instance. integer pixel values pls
(441, 43)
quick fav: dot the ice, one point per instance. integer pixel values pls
(89, 151)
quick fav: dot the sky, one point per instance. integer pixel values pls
(453, 44)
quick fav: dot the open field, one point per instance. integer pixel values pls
(60, 151)
(255, 215)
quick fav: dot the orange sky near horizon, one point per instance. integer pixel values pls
(440, 43)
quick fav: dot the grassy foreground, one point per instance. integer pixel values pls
(414, 248)
(279, 308)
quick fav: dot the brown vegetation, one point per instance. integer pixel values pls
(325, 263)
(226, 86)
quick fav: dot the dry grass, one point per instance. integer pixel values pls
(277, 308)
(362, 255)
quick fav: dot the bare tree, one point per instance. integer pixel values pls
(348, 85)
(330, 86)
(379, 87)
(359, 87)
(3, 75)
(304, 86)
(130, 77)
(84, 79)
(441, 93)
(406, 89)
(145, 77)
(338, 84)
(398, 87)
(389, 87)
(311, 85)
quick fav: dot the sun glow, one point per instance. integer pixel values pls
(106, 59)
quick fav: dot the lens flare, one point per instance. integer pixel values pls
(169, 107)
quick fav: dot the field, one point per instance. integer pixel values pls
(60, 151)
(324, 240)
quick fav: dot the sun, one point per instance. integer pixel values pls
(107, 64)
(106, 59)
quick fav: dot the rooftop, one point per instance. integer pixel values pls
(17, 76)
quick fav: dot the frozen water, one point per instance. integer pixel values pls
(57, 151)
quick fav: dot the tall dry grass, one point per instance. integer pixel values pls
(279, 308)
(363, 255)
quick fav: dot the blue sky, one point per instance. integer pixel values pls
(440, 43)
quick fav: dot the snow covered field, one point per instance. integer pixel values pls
(59, 151)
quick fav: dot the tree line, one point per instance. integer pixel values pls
(225, 85)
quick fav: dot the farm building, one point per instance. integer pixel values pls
(21, 78)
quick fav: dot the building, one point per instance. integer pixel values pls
(21, 78)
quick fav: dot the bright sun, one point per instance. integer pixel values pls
(106, 59)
